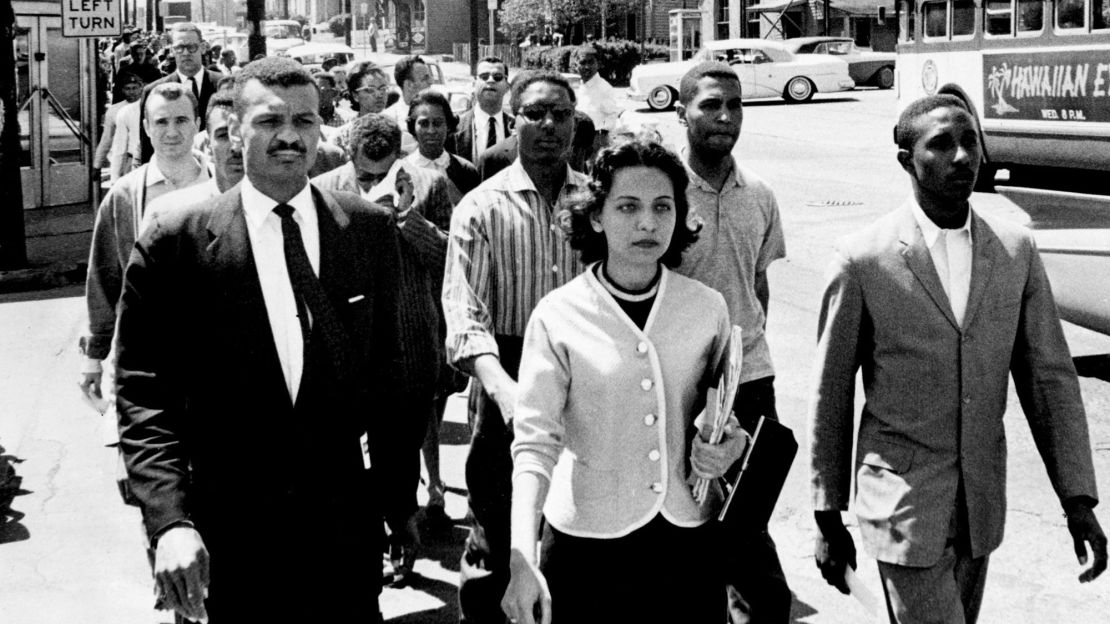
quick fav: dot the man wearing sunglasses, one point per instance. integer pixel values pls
(503, 256)
(486, 124)
(188, 48)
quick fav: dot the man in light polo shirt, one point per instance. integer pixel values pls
(741, 236)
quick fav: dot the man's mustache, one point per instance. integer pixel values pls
(281, 146)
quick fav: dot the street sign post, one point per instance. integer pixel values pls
(92, 18)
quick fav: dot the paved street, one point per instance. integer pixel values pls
(71, 553)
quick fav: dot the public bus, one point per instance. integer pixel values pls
(1035, 72)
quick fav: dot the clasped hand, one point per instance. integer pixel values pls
(710, 461)
(181, 572)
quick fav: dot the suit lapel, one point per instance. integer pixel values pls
(229, 249)
(921, 263)
(982, 263)
(335, 255)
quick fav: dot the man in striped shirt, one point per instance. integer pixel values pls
(504, 254)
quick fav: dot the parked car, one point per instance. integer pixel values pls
(229, 39)
(766, 69)
(281, 35)
(314, 54)
(866, 67)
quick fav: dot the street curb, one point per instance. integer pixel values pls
(42, 278)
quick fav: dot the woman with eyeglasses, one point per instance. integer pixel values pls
(615, 367)
(368, 92)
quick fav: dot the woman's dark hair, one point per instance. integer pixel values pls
(432, 98)
(356, 72)
(575, 218)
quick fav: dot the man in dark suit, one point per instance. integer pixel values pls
(939, 307)
(258, 353)
(481, 127)
(188, 48)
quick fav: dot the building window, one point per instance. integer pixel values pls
(418, 11)
(722, 19)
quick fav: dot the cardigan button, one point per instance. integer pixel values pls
(649, 420)
(646, 384)
(642, 347)
(654, 455)
(657, 487)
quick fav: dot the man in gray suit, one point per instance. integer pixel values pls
(939, 305)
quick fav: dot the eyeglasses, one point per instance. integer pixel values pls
(487, 75)
(539, 113)
(185, 48)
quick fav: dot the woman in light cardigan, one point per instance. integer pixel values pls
(616, 366)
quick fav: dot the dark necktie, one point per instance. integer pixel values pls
(308, 292)
(193, 86)
(491, 136)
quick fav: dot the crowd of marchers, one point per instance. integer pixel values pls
(282, 296)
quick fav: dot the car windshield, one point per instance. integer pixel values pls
(834, 47)
(282, 31)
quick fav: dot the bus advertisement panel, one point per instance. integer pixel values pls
(1072, 85)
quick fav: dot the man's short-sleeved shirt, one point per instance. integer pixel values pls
(741, 236)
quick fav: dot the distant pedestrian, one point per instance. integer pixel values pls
(595, 97)
(486, 123)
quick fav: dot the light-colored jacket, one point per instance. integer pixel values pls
(936, 391)
(606, 410)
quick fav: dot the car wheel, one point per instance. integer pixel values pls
(799, 89)
(884, 78)
(661, 98)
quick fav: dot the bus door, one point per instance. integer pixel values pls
(55, 95)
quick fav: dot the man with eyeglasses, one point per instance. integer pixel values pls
(504, 254)
(188, 46)
(486, 124)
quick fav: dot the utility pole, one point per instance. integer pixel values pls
(475, 6)
(13, 243)
(256, 39)
(348, 23)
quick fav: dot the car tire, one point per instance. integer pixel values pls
(884, 78)
(662, 98)
(798, 89)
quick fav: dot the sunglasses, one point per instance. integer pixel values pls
(538, 113)
(488, 75)
(185, 48)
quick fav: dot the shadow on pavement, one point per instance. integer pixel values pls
(799, 610)
(11, 530)
(1097, 366)
(73, 290)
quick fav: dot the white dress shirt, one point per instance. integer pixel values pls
(268, 248)
(597, 99)
(197, 78)
(951, 254)
(439, 164)
(480, 131)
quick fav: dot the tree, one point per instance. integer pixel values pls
(522, 17)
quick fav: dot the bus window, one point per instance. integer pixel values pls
(963, 17)
(936, 19)
(998, 17)
(1030, 15)
(906, 9)
(1100, 15)
(1071, 14)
